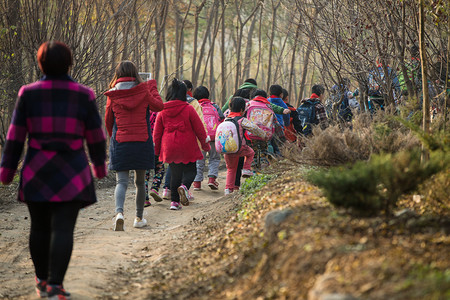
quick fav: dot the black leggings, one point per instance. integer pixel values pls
(181, 174)
(51, 238)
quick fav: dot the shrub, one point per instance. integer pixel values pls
(376, 185)
(371, 134)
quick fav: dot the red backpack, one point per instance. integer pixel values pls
(211, 118)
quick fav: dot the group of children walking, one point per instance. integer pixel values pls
(183, 132)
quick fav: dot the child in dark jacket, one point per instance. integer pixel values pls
(177, 129)
(237, 106)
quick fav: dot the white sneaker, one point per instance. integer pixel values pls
(228, 191)
(166, 194)
(139, 223)
(118, 222)
(247, 173)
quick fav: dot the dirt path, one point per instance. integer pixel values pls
(99, 252)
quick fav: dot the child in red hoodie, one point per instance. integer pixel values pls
(177, 129)
(237, 107)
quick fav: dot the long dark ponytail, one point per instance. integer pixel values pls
(176, 91)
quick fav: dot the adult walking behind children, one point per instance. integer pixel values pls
(127, 119)
(57, 115)
(177, 129)
(237, 107)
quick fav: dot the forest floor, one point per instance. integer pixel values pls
(223, 247)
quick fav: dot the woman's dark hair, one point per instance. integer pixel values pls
(261, 93)
(244, 93)
(285, 93)
(237, 104)
(188, 84)
(318, 89)
(201, 92)
(54, 58)
(125, 68)
(176, 90)
(251, 80)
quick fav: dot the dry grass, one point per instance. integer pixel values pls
(379, 133)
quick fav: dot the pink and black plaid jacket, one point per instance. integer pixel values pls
(58, 116)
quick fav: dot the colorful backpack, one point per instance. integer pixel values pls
(262, 115)
(211, 118)
(307, 115)
(228, 139)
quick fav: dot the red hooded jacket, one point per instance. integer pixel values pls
(129, 107)
(177, 129)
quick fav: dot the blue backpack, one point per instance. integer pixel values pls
(307, 115)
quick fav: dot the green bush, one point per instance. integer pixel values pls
(376, 185)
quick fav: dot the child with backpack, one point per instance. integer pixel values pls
(234, 146)
(212, 115)
(312, 112)
(177, 129)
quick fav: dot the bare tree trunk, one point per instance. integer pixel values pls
(223, 55)
(305, 70)
(272, 36)
(248, 50)
(294, 52)
(198, 10)
(447, 74)
(259, 44)
(423, 61)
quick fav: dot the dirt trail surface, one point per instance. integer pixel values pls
(100, 254)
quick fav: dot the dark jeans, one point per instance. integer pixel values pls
(181, 174)
(51, 238)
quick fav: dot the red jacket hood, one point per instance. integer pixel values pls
(130, 98)
(174, 107)
(261, 99)
(204, 100)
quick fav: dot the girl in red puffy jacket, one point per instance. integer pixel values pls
(177, 129)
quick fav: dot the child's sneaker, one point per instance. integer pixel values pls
(57, 292)
(41, 288)
(228, 191)
(184, 195)
(213, 184)
(197, 185)
(166, 193)
(118, 222)
(139, 223)
(147, 203)
(247, 173)
(154, 193)
(175, 205)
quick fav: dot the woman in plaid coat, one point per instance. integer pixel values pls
(57, 115)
